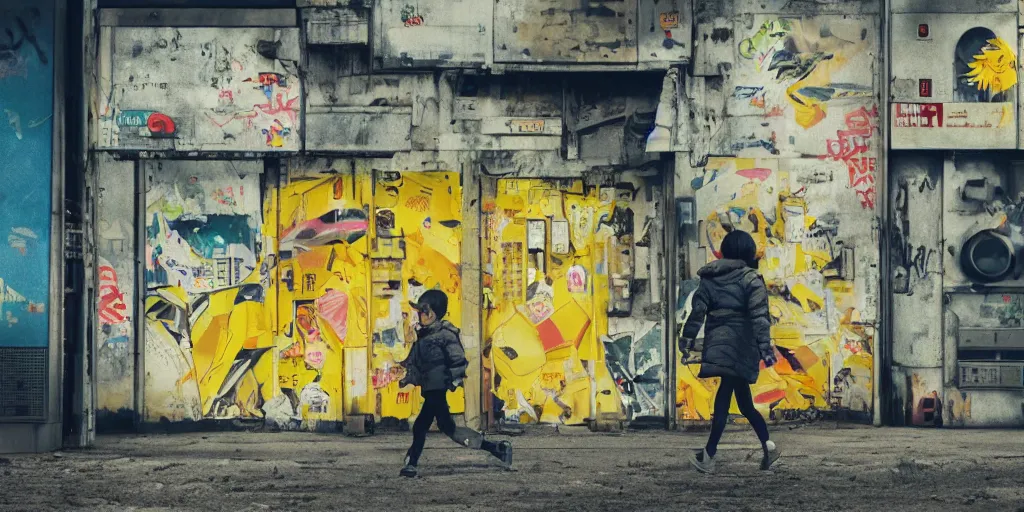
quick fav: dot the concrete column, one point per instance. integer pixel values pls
(472, 308)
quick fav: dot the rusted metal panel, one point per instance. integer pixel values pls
(199, 89)
(432, 33)
(665, 31)
(565, 31)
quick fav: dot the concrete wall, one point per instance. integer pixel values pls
(249, 100)
(116, 296)
(967, 102)
(433, 33)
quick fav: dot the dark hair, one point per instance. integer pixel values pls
(436, 300)
(739, 245)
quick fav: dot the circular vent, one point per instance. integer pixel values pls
(988, 257)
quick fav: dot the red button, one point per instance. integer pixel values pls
(922, 30)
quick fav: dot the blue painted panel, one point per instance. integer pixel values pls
(26, 168)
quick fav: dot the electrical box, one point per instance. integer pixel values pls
(991, 375)
(991, 339)
(954, 81)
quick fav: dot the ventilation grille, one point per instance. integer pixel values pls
(23, 382)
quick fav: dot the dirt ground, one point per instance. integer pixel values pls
(824, 467)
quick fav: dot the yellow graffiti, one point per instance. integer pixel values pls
(314, 329)
(761, 45)
(995, 68)
(803, 55)
(548, 316)
(825, 357)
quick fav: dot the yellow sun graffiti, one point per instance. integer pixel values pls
(995, 68)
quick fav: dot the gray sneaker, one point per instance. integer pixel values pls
(702, 462)
(770, 457)
(505, 453)
(408, 471)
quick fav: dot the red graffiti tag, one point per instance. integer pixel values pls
(288, 108)
(112, 308)
(851, 147)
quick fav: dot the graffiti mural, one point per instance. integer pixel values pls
(323, 309)
(250, 102)
(985, 67)
(288, 304)
(207, 309)
(417, 246)
(798, 77)
(26, 142)
(794, 53)
(817, 301)
(564, 340)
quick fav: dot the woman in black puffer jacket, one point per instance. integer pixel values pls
(733, 299)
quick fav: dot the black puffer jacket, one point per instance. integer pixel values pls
(737, 336)
(437, 359)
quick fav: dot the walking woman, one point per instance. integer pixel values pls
(737, 339)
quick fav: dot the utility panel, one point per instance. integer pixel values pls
(954, 81)
(991, 375)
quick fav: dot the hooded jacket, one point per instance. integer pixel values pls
(437, 359)
(733, 298)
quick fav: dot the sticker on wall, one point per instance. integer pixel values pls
(536, 235)
(560, 236)
(576, 279)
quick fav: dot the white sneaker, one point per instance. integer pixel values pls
(702, 462)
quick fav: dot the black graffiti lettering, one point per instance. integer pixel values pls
(926, 184)
(922, 258)
(17, 36)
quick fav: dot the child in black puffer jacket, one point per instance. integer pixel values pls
(437, 364)
(732, 304)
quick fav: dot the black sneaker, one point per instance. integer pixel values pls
(408, 471)
(505, 453)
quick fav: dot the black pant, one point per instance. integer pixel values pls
(435, 405)
(739, 387)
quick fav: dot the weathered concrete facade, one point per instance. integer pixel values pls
(957, 345)
(276, 185)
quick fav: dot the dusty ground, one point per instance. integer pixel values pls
(826, 467)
